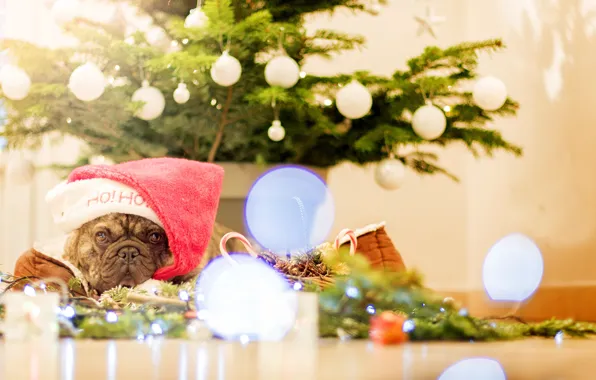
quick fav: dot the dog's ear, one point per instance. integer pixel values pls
(72, 246)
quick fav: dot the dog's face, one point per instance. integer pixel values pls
(118, 249)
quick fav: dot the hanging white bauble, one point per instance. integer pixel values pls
(226, 70)
(353, 101)
(158, 38)
(490, 93)
(390, 174)
(154, 101)
(6, 71)
(19, 170)
(87, 82)
(64, 11)
(195, 19)
(429, 122)
(276, 131)
(282, 71)
(15, 83)
(181, 94)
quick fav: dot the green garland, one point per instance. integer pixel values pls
(345, 310)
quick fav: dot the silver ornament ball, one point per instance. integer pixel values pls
(181, 94)
(15, 83)
(429, 122)
(195, 19)
(489, 93)
(153, 99)
(87, 82)
(390, 174)
(282, 71)
(354, 100)
(276, 131)
(226, 71)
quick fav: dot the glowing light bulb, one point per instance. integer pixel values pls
(111, 317)
(28, 290)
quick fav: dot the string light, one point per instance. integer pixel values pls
(559, 338)
(68, 311)
(463, 312)
(447, 108)
(184, 295)
(117, 67)
(28, 290)
(302, 74)
(328, 102)
(68, 120)
(408, 326)
(111, 317)
(352, 292)
(244, 339)
(370, 309)
(156, 328)
(297, 286)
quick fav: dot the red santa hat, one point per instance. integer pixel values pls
(181, 196)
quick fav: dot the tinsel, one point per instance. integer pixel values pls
(346, 306)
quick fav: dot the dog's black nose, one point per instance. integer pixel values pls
(128, 253)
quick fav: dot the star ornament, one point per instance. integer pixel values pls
(428, 22)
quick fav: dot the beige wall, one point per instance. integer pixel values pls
(444, 228)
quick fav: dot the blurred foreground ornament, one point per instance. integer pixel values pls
(198, 330)
(354, 100)
(15, 82)
(245, 300)
(196, 18)
(474, 368)
(19, 170)
(489, 93)
(306, 326)
(87, 82)
(282, 71)
(429, 122)
(428, 22)
(390, 173)
(276, 131)
(226, 70)
(388, 328)
(64, 11)
(512, 269)
(30, 317)
(181, 94)
(154, 101)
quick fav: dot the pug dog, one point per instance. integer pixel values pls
(126, 250)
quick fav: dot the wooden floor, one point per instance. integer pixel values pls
(333, 360)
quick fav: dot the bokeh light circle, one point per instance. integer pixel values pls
(289, 208)
(512, 269)
(248, 299)
(474, 368)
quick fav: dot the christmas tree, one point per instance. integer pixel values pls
(255, 118)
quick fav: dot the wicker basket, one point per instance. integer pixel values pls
(322, 281)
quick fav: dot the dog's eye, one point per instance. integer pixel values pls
(101, 237)
(155, 238)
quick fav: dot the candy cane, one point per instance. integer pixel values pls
(353, 241)
(243, 240)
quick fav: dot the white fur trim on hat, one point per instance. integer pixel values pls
(76, 203)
